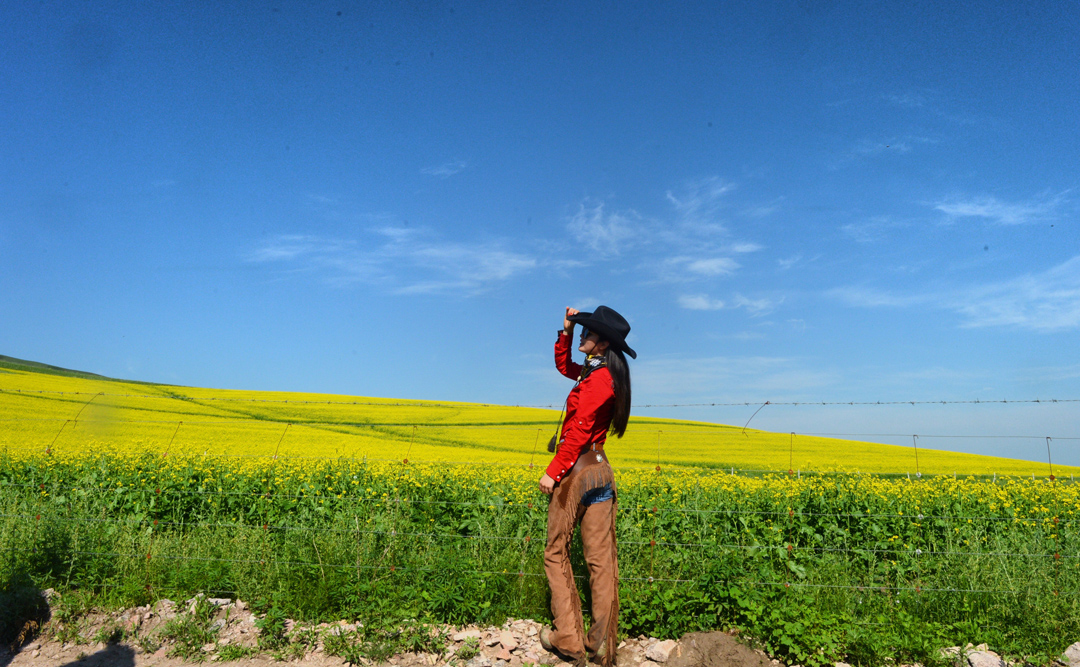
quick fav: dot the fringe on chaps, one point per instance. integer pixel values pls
(597, 521)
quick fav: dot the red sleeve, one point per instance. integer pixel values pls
(596, 398)
(563, 361)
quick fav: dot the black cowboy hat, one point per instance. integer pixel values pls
(610, 325)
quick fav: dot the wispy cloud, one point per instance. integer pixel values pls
(697, 206)
(873, 230)
(399, 259)
(446, 170)
(1003, 213)
(1046, 301)
(756, 307)
(699, 302)
(872, 148)
(606, 232)
(788, 263)
(687, 268)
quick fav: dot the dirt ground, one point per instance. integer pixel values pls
(230, 627)
(711, 649)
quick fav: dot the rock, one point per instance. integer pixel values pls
(219, 602)
(839, 664)
(504, 654)
(164, 605)
(479, 661)
(465, 634)
(985, 659)
(1072, 655)
(508, 641)
(660, 651)
(35, 653)
(491, 640)
(240, 605)
(49, 594)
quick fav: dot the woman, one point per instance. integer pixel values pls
(582, 486)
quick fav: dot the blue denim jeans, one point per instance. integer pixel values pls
(603, 494)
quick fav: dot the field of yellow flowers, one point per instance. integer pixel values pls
(72, 414)
(386, 509)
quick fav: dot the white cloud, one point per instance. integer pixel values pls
(786, 264)
(446, 170)
(909, 100)
(400, 260)
(865, 297)
(756, 307)
(1046, 301)
(699, 302)
(1003, 213)
(714, 266)
(701, 198)
(606, 233)
(872, 230)
(746, 246)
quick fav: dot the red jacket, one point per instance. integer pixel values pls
(588, 410)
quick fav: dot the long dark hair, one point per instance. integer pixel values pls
(620, 376)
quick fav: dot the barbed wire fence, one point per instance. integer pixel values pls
(788, 548)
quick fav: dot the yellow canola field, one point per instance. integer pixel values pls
(72, 415)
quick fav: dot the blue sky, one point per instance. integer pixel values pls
(788, 201)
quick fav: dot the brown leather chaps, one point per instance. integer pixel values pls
(565, 511)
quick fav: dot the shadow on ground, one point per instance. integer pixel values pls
(24, 611)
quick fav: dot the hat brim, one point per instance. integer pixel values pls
(606, 332)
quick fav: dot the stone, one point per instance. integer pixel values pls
(985, 659)
(508, 641)
(219, 602)
(1072, 655)
(841, 664)
(661, 651)
(466, 634)
(491, 640)
(35, 653)
(503, 655)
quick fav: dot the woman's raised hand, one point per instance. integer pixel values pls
(567, 325)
